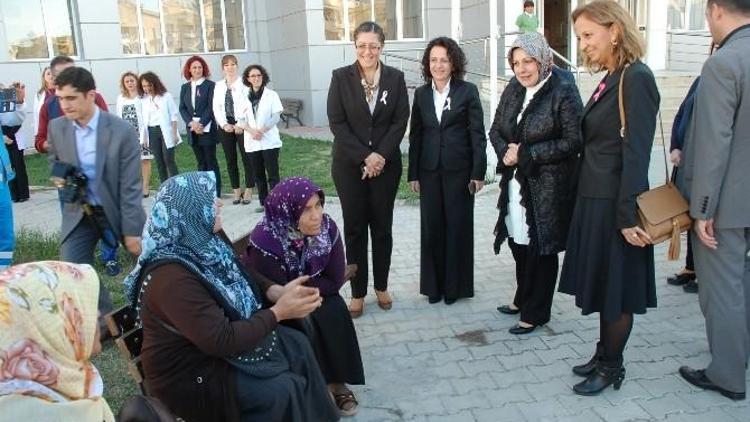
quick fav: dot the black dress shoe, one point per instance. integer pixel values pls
(606, 374)
(589, 367)
(434, 299)
(449, 301)
(698, 378)
(690, 287)
(680, 279)
(506, 309)
(522, 330)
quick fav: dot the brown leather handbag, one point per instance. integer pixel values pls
(662, 211)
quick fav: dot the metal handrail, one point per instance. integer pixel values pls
(565, 60)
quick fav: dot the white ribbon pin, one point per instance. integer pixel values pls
(447, 104)
(383, 97)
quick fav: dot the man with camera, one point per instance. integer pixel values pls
(95, 159)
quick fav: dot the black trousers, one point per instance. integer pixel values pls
(230, 142)
(265, 163)
(205, 154)
(447, 227)
(367, 205)
(163, 156)
(19, 186)
(536, 276)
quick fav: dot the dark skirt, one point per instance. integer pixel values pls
(299, 394)
(334, 340)
(605, 273)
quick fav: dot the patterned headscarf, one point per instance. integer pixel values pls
(278, 234)
(48, 318)
(180, 228)
(536, 46)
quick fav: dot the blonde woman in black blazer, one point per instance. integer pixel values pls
(447, 162)
(609, 260)
(368, 108)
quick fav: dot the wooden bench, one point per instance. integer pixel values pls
(292, 106)
(125, 328)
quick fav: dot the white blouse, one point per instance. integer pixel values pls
(269, 110)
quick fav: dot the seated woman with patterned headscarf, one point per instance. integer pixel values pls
(209, 351)
(48, 333)
(295, 239)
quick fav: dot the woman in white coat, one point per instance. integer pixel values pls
(260, 112)
(160, 116)
(129, 108)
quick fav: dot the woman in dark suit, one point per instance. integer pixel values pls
(536, 134)
(196, 109)
(368, 108)
(609, 260)
(447, 162)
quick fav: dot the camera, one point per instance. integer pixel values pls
(72, 185)
(8, 99)
(70, 181)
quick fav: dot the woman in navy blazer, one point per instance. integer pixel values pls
(609, 259)
(447, 163)
(196, 109)
(368, 108)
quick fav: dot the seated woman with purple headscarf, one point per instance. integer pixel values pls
(294, 239)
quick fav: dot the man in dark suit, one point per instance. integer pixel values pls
(718, 183)
(105, 148)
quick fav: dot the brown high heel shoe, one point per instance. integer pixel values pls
(357, 307)
(384, 299)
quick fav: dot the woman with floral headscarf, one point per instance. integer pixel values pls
(209, 351)
(536, 136)
(295, 238)
(48, 333)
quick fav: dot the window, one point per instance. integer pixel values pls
(697, 15)
(687, 15)
(400, 19)
(151, 27)
(37, 29)
(676, 14)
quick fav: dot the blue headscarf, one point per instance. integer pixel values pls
(180, 228)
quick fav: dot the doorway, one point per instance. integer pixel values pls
(557, 28)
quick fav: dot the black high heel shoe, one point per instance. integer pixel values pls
(589, 367)
(607, 373)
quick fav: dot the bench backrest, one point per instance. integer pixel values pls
(291, 104)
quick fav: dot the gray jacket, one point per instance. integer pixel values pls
(718, 141)
(118, 168)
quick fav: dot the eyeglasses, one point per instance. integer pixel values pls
(254, 76)
(371, 47)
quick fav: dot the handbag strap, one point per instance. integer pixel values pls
(621, 106)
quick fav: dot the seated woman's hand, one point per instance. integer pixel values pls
(296, 300)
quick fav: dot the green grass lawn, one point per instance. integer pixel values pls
(310, 158)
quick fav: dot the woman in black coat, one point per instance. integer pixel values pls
(368, 108)
(609, 259)
(536, 136)
(196, 110)
(447, 163)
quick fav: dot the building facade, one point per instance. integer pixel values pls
(300, 41)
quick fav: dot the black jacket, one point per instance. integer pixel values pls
(457, 142)
(550, 140)
(356, 132)
(613, 167)
(203, 109)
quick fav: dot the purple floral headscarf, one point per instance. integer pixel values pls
(278, 234)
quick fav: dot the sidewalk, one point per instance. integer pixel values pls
(459, 363)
